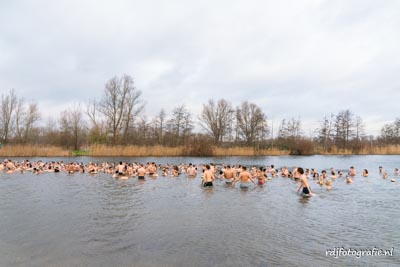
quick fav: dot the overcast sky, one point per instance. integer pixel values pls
(301, 59)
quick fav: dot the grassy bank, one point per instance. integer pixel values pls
(159, 151)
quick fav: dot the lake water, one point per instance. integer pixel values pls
(56, 219)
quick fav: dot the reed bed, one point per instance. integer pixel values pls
(375, 150)
(33, 151)
(162, 151)
(134, 151)
(247, 151)
(381, 150)
(159, 151)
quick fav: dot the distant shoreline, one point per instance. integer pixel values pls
(162, 151)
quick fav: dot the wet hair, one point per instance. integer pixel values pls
(207, 167)
(300, 170)
(244, 168)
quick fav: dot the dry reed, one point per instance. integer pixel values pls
(134, 151)
(160, 151)
(33, 151)
(248, 151)
(375, 150)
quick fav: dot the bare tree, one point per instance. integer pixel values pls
(290, 129)
(32, 115)
(19, 117)
(390, 132)
(134, 106)
(181, 123)
(51, 132)
(92, 112)
(24, 120)
(325, 131)
(8, 106)
(72, 126)
(215, 119)
(250, 121)
(143, 133)
(159, 126)
(120, 104)
(97, 131)
(359, 128)
(344, 128)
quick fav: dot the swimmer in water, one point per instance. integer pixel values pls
(328, 184)
(365, 173)
(352, 171)
(348, 179)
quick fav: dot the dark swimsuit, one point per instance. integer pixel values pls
(306, 191)
(141, 177)
(206, 184)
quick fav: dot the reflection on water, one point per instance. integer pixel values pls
(94, 220)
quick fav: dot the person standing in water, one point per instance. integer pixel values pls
(208, 177)
(244, 178)
(261, 176)
(306, 190)
(141, 172)
(191, 171)
(229, 175)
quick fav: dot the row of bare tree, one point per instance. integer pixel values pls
(17, 118)
(117, 118)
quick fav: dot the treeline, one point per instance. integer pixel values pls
(118, 118)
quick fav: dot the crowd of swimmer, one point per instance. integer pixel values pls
(209, 172)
